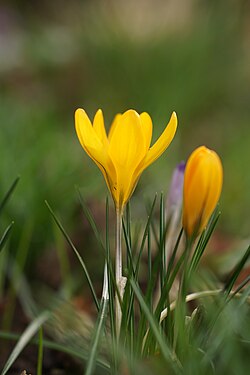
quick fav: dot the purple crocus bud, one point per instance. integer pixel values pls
(175, 193)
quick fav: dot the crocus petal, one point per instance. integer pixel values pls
(195, 183)
(93, 146)
(86, 134)
(216, 180)
(98, 126)
(162, 142)
(127, 147)
(113, 125)
(147, 128)
(157, 149)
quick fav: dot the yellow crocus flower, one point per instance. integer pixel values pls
(125, 152)
(202, 188)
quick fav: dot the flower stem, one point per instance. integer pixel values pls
(118, 270)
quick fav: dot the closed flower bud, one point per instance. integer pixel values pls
(175, 193)
(202, 188)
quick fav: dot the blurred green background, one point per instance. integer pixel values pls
(150, 55)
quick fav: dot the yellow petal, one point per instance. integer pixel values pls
(98, 126)
(147, 128)
(195, 193)
(162, 142)
(113, 125)
(85, 132)
(158, 148)
(94, 147)
(216, 181)
(127, 148)
(127, 145)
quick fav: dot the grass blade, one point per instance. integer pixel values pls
(144, 237)
(5, 235)
(230, 283)
(80, 354)
(97, 335)
(27, 335)
(203, 241)
(129, 295)
(90, 218)
(9, 193)
(166, 352)
(40, 353)
(77, 254)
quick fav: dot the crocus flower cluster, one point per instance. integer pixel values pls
(126, 151)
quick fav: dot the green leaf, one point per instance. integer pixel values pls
(77, 353)
(238, 268)
(165, 350)
(40, 353)
(9, 193)
(203, 241)
(5, 236)
(90, 219)
(128, 300)
(97, 336)
(27, 335)
(77, 254)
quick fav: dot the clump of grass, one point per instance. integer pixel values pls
(173, 317)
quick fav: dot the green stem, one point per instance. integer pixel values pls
(118, 269)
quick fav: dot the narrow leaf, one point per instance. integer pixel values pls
(5, 235)
(77, 353)
(40, 353)
(9, 193)
(166, 352)
(230, 283)
(77, 254)
(27, 335)
(97, 335)
(90, 218)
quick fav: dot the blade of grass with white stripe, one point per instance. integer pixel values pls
(96, 231)
(97, 336)
(77, 254)
(111, 281)
(24, 339)
(128, 316)
(88, 215)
